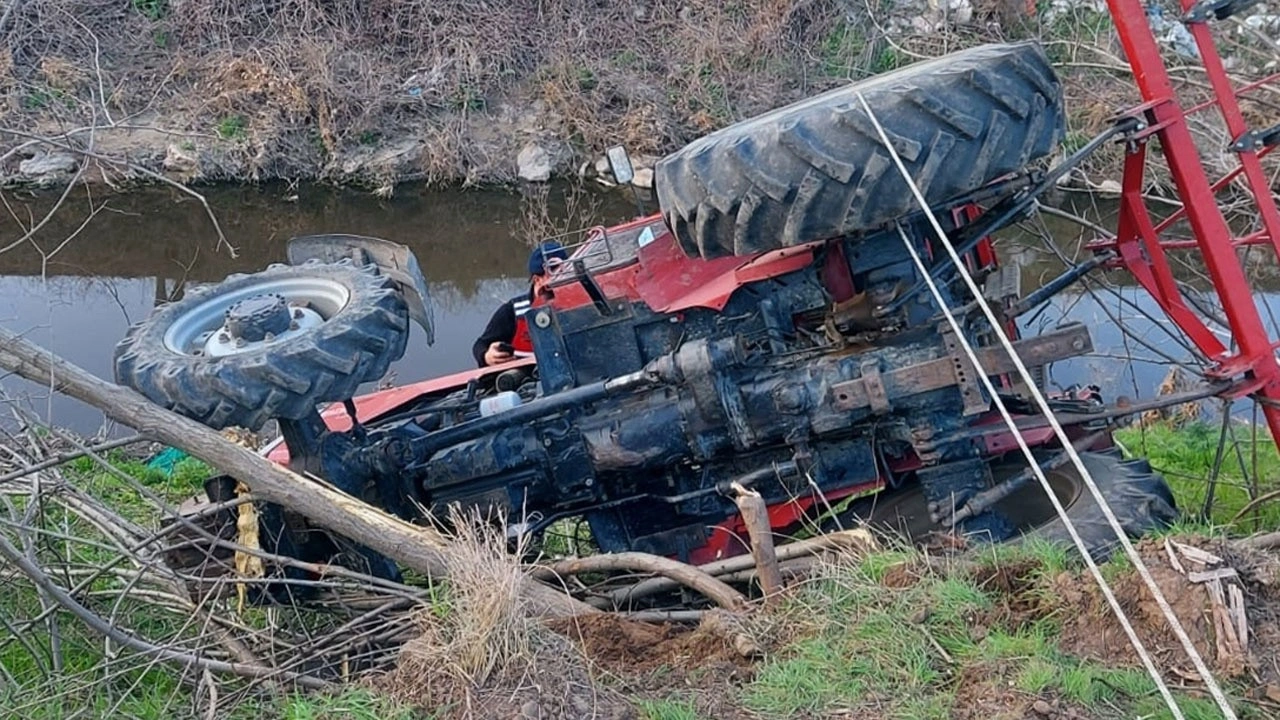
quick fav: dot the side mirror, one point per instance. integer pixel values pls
(620, 165)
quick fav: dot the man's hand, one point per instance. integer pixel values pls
(498, 354)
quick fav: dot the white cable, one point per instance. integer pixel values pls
(1194, 655)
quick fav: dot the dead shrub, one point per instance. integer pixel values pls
(481, 625)
(542, 218)
(61, 74)
(479, 643)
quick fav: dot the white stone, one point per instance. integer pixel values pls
(644, 161)
(45, 166)
(643, 178)
(534, 163)
(921, 24)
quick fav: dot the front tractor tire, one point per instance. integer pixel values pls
(274, 344)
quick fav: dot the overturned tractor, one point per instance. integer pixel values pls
(767, 329)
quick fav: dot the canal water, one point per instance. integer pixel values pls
(77, 296)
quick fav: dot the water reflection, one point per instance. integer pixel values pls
(138, 250)
(1135, 344)
(79, 302)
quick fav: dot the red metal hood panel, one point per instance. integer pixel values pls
(670, 281)
(379, 403)
(667, 280)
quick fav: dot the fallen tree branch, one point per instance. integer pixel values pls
(1249, 506)
(789, 570)
(842, 540)
(106, 629)
(1266, 541)
(60, 458)
(415, 547)
(677, 572)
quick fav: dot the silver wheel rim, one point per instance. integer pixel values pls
(197, 331)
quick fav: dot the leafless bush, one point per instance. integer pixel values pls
(541, 217)
(94, 599)
(295, 85)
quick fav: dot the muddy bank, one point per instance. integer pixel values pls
(376, 94)
(381, 93)
(453, 92)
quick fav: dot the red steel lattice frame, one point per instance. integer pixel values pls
(1140, 241)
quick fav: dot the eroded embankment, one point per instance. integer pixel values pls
(382, 92)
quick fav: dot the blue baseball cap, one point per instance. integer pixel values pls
(542, 253)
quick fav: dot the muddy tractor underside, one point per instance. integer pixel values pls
(768, 329)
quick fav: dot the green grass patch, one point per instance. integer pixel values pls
(233, 127)
(88, 678)
(151, 9)
(40, 98)
(1185, 456)
(626, 58)
(1036, 676)
(875, 565)
(667, 710)
(842, 50)
(467, 97)
(899, 651)
(568, 537)
(351, 704)
(186, 478)
(868, 642)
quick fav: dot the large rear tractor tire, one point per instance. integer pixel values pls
(817, 169)
(274, 344)
(1139, 497)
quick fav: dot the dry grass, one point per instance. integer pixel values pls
(316, 88)
(480, 651)
(311, 81)
(479, 626)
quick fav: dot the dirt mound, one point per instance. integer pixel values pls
(985, 693)
(1091, 630)
(706, 665)
(627, 647)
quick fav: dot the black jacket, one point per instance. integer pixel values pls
(501, 328)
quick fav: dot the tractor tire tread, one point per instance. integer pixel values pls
(817, 169)
(281, 381)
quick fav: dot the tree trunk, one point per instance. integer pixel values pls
(415, 547)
